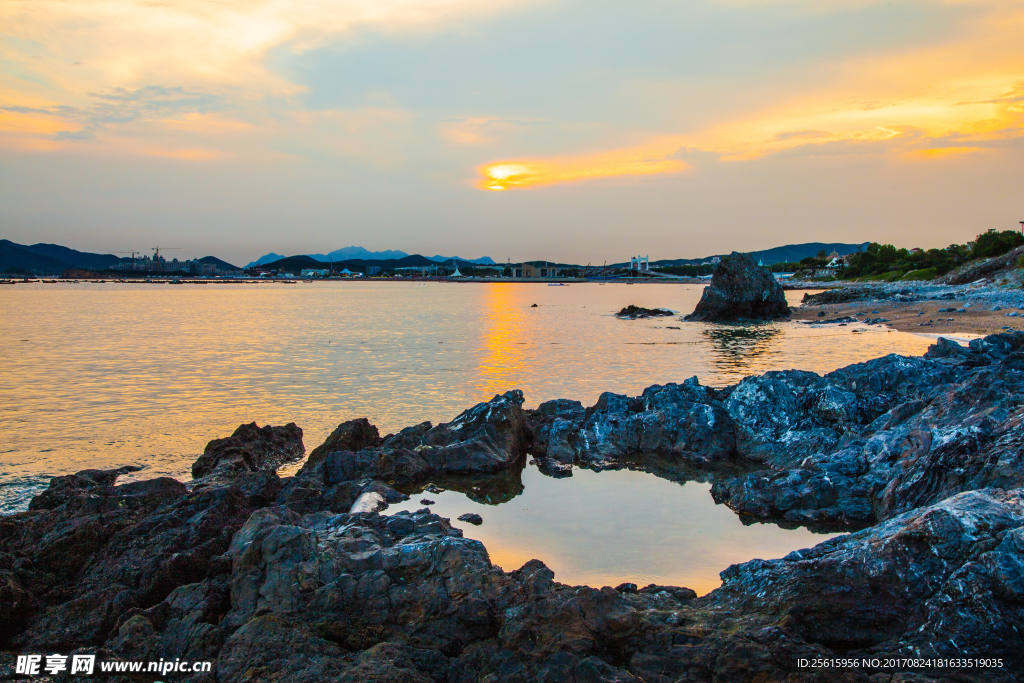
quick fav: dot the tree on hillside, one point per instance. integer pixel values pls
(994, 243)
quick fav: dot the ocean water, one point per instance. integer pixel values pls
(101, 375)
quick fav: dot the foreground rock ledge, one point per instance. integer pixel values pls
(274, 580)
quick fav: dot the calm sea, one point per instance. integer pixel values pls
(102, 375)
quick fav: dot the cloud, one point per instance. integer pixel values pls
(152, 101)
(128, 42)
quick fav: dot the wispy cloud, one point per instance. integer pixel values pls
(116, 108)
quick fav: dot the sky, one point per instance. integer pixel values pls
(564, 130)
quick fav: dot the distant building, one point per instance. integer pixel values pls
(313, 272)
(158, 264)
(530, 271)
(372, 270)
(640, 263)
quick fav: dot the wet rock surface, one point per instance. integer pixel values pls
(297, 580)
(250, 449)
(741, 290)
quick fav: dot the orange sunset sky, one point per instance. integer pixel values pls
(522, 129)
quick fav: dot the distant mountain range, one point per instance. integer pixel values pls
(296, 264)
(53, 259)
(361, 254)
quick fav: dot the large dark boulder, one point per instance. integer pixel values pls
(741, 290)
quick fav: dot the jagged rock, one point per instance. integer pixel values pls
(250, 449)
(843, 295)
(936, 582)
(740, 290)
(984, 268)
(354, 435)
(106, 550)
(632, 312)
(471, 518)
(61, 488)
(680, 420)
(487, 438)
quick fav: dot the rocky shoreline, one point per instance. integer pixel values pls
(307, 578)
(978, 308)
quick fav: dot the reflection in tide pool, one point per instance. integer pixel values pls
(102, 375)
(605, 528)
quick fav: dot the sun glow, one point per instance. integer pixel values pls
(652, 159)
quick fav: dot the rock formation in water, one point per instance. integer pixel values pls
(740, 290)
(280, 580)
(632, 312)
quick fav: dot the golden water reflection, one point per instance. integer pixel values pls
(503, 327)
(740, 346)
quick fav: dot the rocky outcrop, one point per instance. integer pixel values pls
(251, 449)
(984, 268)
(874, 292)
(307, 585)
(632, 312)
(740, 290)
(683, 421)
(354, 435)
(845, 450)
(70, 573)
(905, 432)
(357, 597)
(488, 438)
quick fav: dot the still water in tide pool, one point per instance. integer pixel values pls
(102, 375)
(606, 528)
